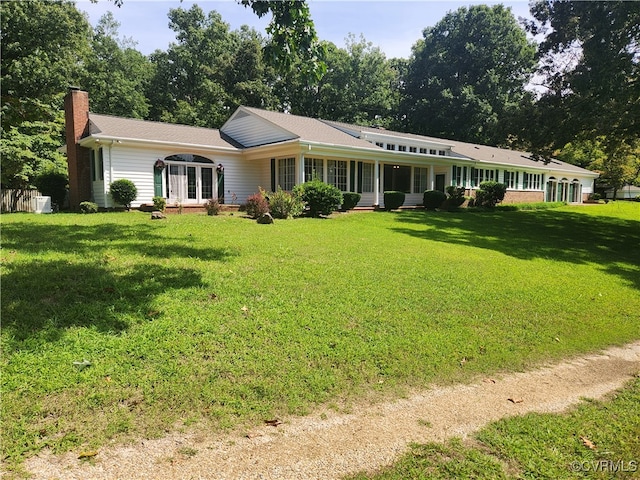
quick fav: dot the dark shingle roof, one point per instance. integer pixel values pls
(128, 128)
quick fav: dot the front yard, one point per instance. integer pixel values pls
(115, 327)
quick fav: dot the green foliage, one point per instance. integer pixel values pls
(283, 204)
(393, 200)
(468, 74)
(27, 151)
(53, 184)
(350, 200)
(359, 87)
(256, 205)
(123, 192)
(432, 199)
(455, 197)
(43, 44)
(293, 37)
(88, 207)
(159, 203)
(598, 95)
(490, 194)
(115, 74)
(213, 206)
(321, 198)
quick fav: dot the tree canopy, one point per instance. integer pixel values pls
(467, 75)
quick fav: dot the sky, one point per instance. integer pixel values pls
(393, 26)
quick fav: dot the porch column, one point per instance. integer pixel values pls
(377, 183)
(432, 178)
(301, 173)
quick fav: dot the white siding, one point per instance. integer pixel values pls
(244, 177)
(251, 131)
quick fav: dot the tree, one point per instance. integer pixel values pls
(590, 64)
(28, 151)
(43, 43)
(115, 73)
(359, 86)
(198, 80)
(617, 168)
(468, 75)
(293, 37)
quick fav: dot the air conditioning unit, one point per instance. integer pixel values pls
(42, 205)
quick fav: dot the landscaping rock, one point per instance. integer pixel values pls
(265, 219)
(156, 215)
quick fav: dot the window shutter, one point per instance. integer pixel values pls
(352, 174)
(273, 174)
(157, 182)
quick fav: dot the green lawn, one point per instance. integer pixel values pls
(596, 440)
(219, 321)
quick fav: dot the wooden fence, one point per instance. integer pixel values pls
(25, 203)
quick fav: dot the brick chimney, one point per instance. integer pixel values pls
(76, 115)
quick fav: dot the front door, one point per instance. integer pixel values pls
(440, 179)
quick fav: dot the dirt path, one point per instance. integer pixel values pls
(329, 445)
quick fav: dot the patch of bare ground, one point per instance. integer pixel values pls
(329, 445)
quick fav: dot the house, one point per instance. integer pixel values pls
(258, 148)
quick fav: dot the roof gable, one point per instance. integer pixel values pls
(250, 129)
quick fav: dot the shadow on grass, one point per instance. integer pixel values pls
(550, 234)
(43, 297)
(138, 239)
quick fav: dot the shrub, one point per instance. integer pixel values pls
(88, 207)
(490, 194)
(159, 203)
(256, 205)
(636, 198)
(320, 197)
(393, 200)
(350, 200)
(433, 199)
(54, 185)
(213, 206)
(123, 192)
(283, 204)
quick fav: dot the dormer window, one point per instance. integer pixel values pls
(391, 146)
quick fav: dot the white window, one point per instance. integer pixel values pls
(532, 181)
(511, 179)
(432, 151)
(442, 152)
(413, 150)
(479, 175)
(337, 174)
(313, 169)
(367, 177)
(423, 150)
(402, 148)
(286, 173)
(391, 146)
(459, 176)
(419, 179)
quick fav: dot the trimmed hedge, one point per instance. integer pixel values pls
(123, 192)
(393, 200)
(350, 200)
(433, 199)
(320, 197)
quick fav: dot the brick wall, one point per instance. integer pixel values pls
(523, 197)
(76, 107)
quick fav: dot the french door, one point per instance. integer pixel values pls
(189, 183)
